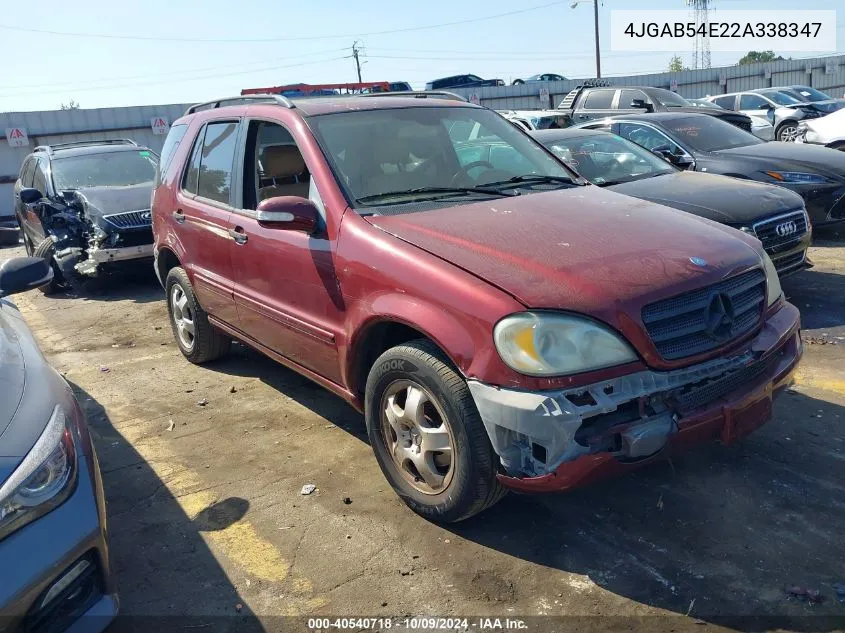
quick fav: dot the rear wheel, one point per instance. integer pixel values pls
(427, 435)
(787, 132)
(518, 82)
(197, 339)
(46, 250)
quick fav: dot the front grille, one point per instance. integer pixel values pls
(131, 219)
(678, 326)
(789, 262)
(135, 238)
(781, 231)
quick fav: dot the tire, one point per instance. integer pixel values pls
(518, 82)
(205, 343)
(469, 484)
(786, 132)
(45, 250)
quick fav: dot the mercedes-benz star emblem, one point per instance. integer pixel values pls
(786, 228)
(719, 319)
(697, 261)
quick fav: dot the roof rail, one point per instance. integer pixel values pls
(104, 141)
(418, 94)
(241, 100)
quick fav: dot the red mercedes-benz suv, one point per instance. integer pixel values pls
(499, 322)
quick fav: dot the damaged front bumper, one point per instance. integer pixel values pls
(556, 440)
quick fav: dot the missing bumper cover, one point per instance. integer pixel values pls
(632, 416)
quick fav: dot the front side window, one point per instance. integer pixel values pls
(107, 169)
(648, 137)
(752, 102)
(39, 178)
(428, 153)
(606, 159)
(627, 97)
(709, 134)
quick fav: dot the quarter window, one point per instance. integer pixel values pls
(209, 173)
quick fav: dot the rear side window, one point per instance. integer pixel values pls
(171, 144)
(209, 173)
(726, 102)
(599, 100)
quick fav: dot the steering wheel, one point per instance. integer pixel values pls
(463, 172)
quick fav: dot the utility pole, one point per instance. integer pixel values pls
(355, 52)
(598, 47)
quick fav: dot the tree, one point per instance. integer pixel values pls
(71, 105)
(754, 57)
(676, 65)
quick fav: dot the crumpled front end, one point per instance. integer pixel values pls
(554, 440)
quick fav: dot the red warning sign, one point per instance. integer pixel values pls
(160, 125)
(17, 137)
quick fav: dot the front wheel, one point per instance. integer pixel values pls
(787, 133)
(197, 339)
(427, 435)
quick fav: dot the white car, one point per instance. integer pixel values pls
(537, 119)
(828, 131)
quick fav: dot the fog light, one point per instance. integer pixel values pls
(64, 582)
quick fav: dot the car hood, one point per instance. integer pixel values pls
(100, 201)
(583, 249)
(714, 197)
(791, 156)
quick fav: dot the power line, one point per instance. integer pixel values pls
(164, 81)
(150, 38)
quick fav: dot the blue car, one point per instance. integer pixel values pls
(54, 561)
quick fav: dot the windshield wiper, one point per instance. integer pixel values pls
(445, 191)
(531, 179)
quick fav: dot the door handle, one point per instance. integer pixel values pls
(238, 235)
(179, 216)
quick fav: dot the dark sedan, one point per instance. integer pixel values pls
(54, 561)
(703, 143)
(773, 214)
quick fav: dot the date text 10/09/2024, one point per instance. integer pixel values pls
(417, 623)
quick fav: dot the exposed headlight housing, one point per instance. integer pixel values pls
(44, 478)
(796, 177)
(548, 344)
(773, 289)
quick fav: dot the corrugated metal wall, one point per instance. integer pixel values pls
(63, 126)
(692, 84)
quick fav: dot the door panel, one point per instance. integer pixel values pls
(286, 290)
(202, 224)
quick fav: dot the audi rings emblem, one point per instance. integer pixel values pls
(785, 229)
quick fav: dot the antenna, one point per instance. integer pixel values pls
(701, 51)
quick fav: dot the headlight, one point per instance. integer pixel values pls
(43, 480)
(543, 344)
(796, 177)
(773, 290)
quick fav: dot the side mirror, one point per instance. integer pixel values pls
(288, 212)
(24, 273)
(684, 161)
(642, 105)
(30, 195)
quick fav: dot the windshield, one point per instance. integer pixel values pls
(708, 133)
(109, 169)
(669, 98)
(805, 93)
(606, 159)
(402, 155)
(781, 98)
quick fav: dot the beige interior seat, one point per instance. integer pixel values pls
(283, 163)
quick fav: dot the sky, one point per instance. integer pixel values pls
(180, 51)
